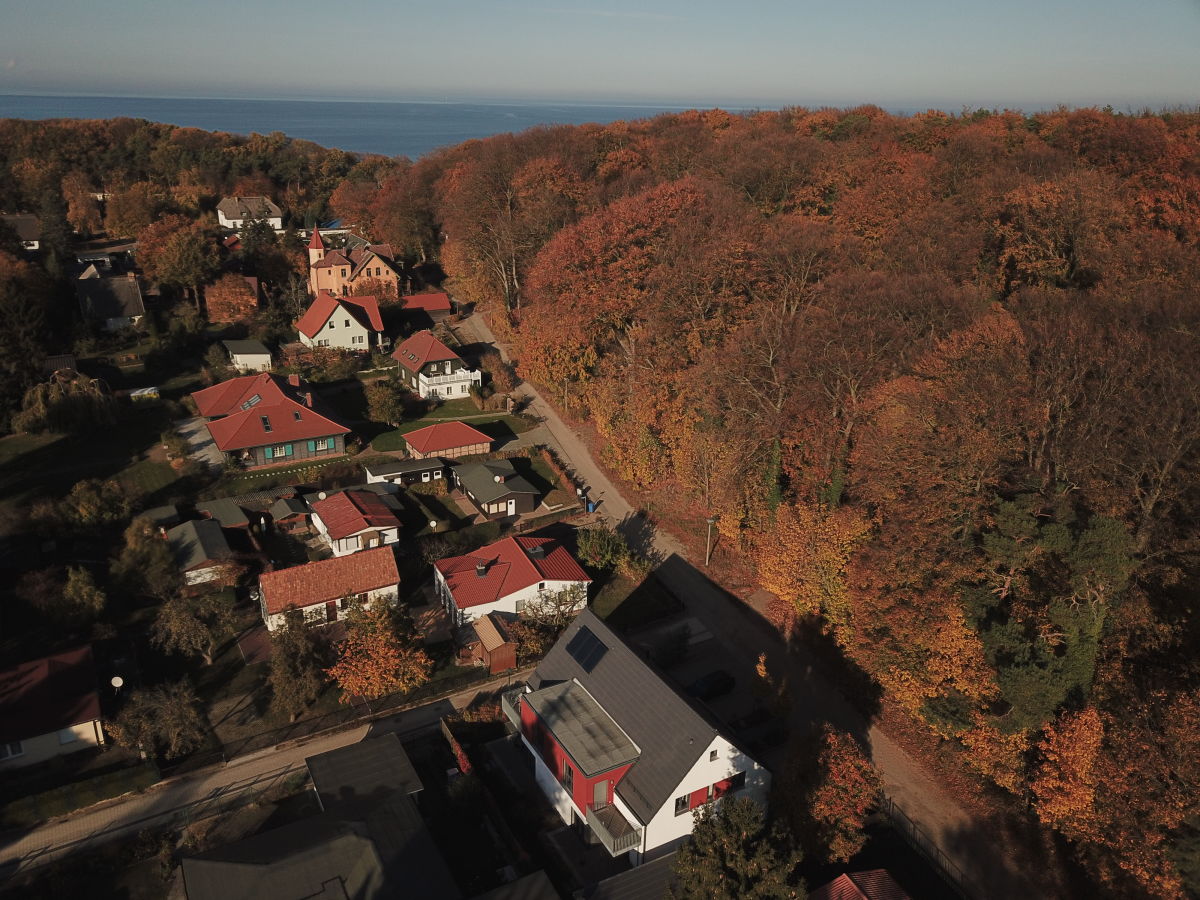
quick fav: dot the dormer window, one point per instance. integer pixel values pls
(296, 415)
(266, 423)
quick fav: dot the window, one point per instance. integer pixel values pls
(332, 324)
(343, 273)
(520, 606)
(345, 323)
(67, 736)
(11, 750)
(464, 388)
(322, 343)
(437, 473)
(266, 424)
(281, 450)
(256, 399)
(541, 585)
(568, 776)
(296, 414)
(425, 476)
(681, 805)
(712, 755)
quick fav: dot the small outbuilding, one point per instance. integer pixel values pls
(496, 489)
(408, 471)
(486, 642)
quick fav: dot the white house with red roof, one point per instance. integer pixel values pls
(322, 590)
(339, 271)
(351, 521)
(49, 707)
(618, 751)
(449, 439)
(347, 323)
(262, 420)
(507, 576)
(432, 369)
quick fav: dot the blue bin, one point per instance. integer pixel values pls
(591, 507)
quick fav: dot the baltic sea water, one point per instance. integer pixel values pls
(390, 128)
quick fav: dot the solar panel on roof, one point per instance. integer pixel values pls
(585, 648)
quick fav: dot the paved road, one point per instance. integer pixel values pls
(968, 843)
(203, 793)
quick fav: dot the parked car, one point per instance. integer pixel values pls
(715, 684)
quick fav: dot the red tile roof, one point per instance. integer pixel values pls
(364, 309)
(509, 569)
(243, 426)
(350, 512)
(420, 349)
(445, 436)
(331, 259)
(329, 579)
(429, 302)
(315, 242)
(876, 884)
(44, 695)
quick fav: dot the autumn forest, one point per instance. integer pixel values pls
(937, 379)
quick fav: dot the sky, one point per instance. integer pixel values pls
(895, 53)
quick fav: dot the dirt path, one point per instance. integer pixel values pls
(969, 843)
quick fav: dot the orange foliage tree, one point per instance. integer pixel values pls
(374, 661)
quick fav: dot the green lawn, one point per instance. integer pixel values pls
(498, 427)
(50, 465)
(29, 811)
(234, 483)
(625, 604)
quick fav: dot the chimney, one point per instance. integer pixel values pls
(162, 532)
(537, 552)
(480, 569)
(308, 400)
(294, 380)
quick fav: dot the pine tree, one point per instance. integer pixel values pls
(734, 856)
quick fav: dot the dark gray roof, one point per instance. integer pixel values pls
(535, 886)
(582, 728)
(248, 207)
(289, 506)
(648, 881)
(110, 298)
(226, 511)
(246, 348)
(27, 226)
(197, 542)
(404, 466)
(320, 857)
(670, 734)
(161, 516)
(480, 479)
(360, 775)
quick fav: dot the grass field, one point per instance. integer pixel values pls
(625, 604)
(29, 811)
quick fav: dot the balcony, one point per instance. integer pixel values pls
(510, 704)
(613, 830)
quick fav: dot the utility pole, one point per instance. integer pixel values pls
(708, 541)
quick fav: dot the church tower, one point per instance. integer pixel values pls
(316, 247)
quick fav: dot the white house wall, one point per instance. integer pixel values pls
(509, 603)
(352, 544)
(341, 335)
(251, 362)
(47, 746)
(666, 827)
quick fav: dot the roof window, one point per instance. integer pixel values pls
(253, 401)
(266, 424)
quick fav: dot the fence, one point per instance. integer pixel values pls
(360, 711)
(918, 838)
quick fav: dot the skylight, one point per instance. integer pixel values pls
(253, 401)
(585, 648)
(266, 423)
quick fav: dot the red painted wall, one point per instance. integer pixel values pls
(555, 757)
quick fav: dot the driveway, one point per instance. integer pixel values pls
(200, 443)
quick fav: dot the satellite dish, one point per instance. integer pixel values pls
(433, 523)
(117, 681)
(322, 495)
(497, 479)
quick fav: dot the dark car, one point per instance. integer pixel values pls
(708, 687)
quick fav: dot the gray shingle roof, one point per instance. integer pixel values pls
(110, 298)
(582, 727)
(362, 774)
(480, 479)
(246, 348)
(248, 207)
(197, 542)
(535, 886)
(670, 734)
(226, 511)
(648, 881)
(404, 466)
(289, 506)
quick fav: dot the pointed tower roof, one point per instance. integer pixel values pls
(316, 243)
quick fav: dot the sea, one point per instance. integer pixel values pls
(389, 128)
